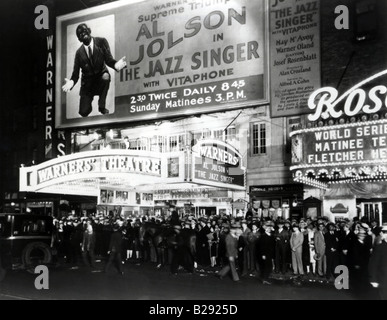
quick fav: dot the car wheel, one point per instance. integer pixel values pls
(35, 254)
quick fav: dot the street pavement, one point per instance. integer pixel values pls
(143, 281)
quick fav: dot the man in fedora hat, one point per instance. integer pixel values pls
(331, 249)
(88, 244)
(378, 265)
(267, 252)
(360, 256)
(345, 242)
(181, 255)
(203, 246)
(319, 247)
(253, 240)
(231, 243)
(296, 241)
(224, 231)
(245, 262)
(282, 238)
(115, 249)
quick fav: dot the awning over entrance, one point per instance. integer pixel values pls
(86, 173)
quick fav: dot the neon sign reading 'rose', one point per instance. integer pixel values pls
(326, 100)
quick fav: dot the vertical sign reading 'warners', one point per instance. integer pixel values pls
(48, 132)
(56, 142)
(183, 57)
(295, 55)
(49, 94)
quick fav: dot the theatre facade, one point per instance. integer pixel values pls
(189, 123)
(223, 107)
(173, 165)
(210, 164)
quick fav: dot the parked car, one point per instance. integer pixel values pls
(25, 241)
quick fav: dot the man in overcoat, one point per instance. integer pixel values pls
(378, 265)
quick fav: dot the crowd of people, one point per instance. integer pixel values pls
(249, 246)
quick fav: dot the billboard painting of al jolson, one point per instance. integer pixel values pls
(129, 61)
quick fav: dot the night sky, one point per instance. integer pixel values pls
(19, 40)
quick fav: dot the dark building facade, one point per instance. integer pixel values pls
(24, 98)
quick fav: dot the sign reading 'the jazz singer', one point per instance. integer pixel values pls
(163, 58)
(218, 164)
(295, 55)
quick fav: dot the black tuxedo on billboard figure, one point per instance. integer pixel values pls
(95, 75)
(91, 58)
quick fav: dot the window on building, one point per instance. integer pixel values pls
(182, 142)
(259, 138)
(218, 134)
(173, 143)
(153, 144)
(115, 145)
(161, 143)
(142, 144)
(206, 134)
(230, 134)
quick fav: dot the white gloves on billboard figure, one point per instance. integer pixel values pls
(69, 84)
(120, 64)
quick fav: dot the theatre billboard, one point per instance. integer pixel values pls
(295, 59)
(182, 57)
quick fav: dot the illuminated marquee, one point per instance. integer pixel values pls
(114, 164)
(345, 144)
(327, 99)
(216, 153)
(218, 164)
(86, 173)
(350, 149)
(351, 152)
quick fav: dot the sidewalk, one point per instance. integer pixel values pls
(277, 278)
(208, 271)
(305, 279)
